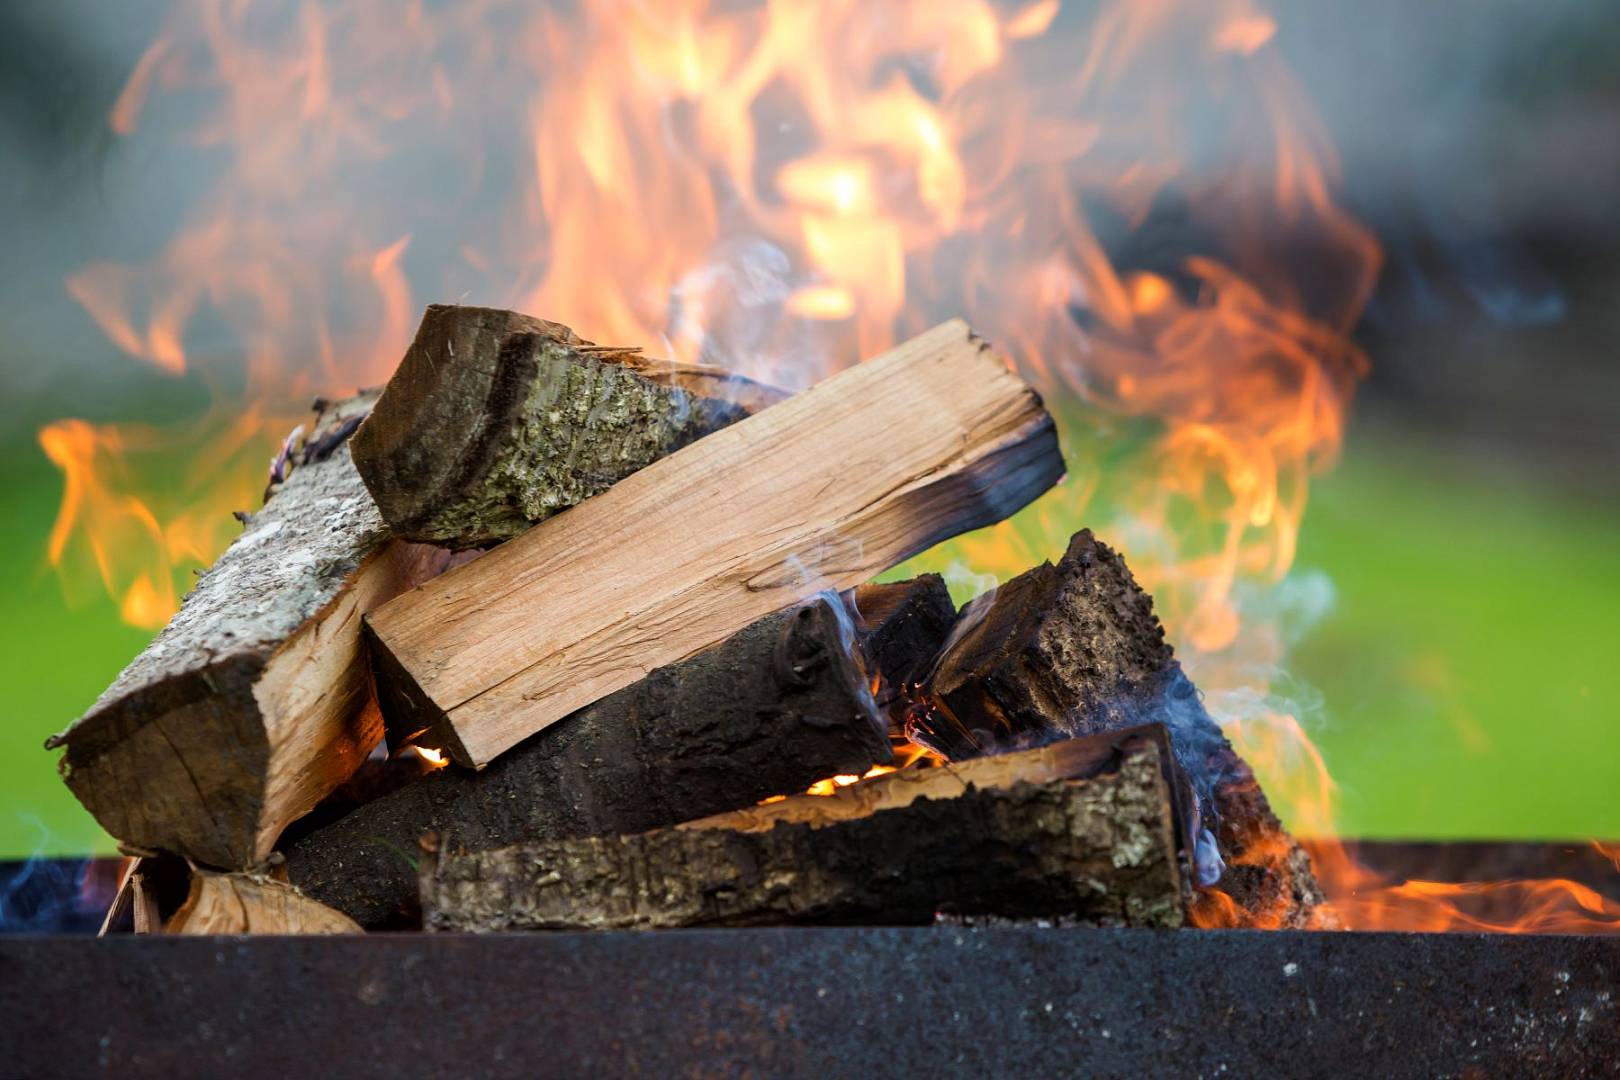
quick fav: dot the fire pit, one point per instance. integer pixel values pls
(800, 1002)
(863, 622)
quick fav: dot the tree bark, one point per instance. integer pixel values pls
(818, 492)
(251, 705)
(496, 420)
(977, 840)
(775, 707)
(1075, 648)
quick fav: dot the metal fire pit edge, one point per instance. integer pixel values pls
(823, 1002)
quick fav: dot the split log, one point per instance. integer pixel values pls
(251, 704)
(1075, 648)
(496, 420)
(819, 492)
(1011, 837)
(252, 904)
(777, 706)
(903, 625)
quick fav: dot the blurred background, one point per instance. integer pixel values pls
(1450, 622)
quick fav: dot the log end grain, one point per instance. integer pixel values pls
(496, 420)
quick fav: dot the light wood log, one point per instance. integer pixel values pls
(819, 492)
(778, 705)
(252, 904)
(251, 704)
(496, 420)
(1012, 837)
(1075, 648)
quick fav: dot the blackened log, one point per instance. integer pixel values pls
(998, 838)
(496, 420)
(775, 707)
(903, 625)
(1075, 648)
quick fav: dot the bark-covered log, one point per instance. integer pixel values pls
(252, 904)
(903, 625)
(1074, 648)
(251, 704)
(776, 706)
(984, 839)
(496, 420)
(818, 492)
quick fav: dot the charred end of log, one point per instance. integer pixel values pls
(902, 627)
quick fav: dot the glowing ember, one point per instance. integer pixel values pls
(434, 759)
(781, 188)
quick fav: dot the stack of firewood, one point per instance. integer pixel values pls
(630, 602)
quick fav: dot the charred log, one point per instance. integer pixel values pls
(1010, 837)
(903, 626)
(1075, 648)
(779, 704)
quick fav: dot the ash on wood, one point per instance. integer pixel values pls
(1075, 648)
(818, 492)
(1009, 837)
(903, 625)
(252, 904)
(777, 706)
(251, 704)
(496, 420)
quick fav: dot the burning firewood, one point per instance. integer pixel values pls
(821, 491)
(1084, 831)
(1076, 648)
(903, 626)
(496, 420)
(776, 706)
(250, 706)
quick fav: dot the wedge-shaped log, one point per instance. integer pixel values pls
(819, 492)
(1075, 648)
(1019, 836)
(251, 704)
(495, 420)
(775, 707)
(252, 904)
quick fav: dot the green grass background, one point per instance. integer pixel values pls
(1467, 669)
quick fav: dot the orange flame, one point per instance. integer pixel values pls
(783, 187)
